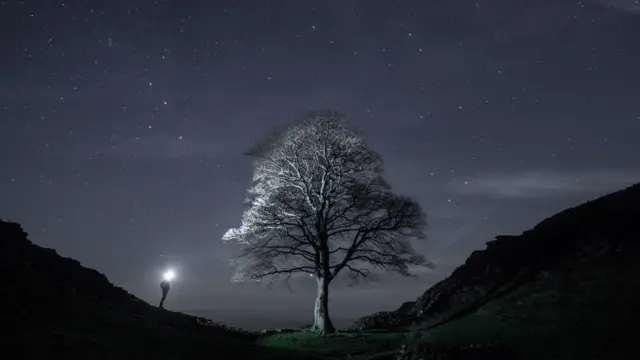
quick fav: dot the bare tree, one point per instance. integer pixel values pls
(319, 205)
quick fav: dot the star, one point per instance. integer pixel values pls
(527, 103)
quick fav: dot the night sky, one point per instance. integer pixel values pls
(123, 125)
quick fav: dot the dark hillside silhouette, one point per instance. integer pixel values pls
(55, 306)
(576, 271)
(566, 288)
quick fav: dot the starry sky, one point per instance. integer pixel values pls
(123, 125)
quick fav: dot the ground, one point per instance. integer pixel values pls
(585, 305)
(338, 345)
(584, 315)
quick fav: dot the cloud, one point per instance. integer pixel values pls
(624, 5)
(531, 184)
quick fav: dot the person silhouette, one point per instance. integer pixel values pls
(165, 286)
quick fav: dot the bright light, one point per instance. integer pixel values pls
(169, 275)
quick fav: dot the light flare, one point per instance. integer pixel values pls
(169, 275)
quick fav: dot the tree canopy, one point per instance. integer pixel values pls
(318, 204)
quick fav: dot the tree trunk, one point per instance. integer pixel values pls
(321, 320)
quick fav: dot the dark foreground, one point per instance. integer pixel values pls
(573, 296)
(52, 306)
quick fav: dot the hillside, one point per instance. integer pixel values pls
(571, 281)
(55, 306)
(566, 289)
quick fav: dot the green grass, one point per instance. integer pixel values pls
(582, 314)
(578, 314)
(336, 345)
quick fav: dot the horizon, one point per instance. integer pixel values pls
(258, 321)
(124, 127)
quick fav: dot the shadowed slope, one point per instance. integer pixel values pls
(54, 306)
(567, 287)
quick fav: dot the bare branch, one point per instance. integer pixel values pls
(319, 205)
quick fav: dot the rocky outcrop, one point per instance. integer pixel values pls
(599, 230)
(386, 319)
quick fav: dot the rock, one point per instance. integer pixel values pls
(406, 307)
(587, 233)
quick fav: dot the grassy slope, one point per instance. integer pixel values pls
(337, 345)
(51, 305)
(586, 314)
(111, 334)
(586, 310)
(86, 330)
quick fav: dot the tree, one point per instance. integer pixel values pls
(319, 204)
